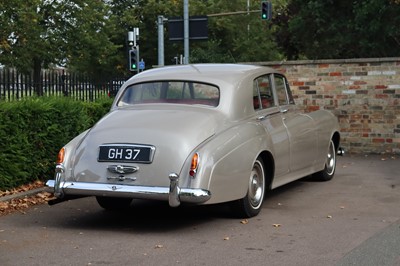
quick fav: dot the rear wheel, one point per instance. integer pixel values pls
(330, 165)
(250, 205)
(109, 203)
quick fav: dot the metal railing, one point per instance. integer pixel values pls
(15, 85)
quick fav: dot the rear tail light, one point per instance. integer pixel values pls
(194, 165)
(61, 155)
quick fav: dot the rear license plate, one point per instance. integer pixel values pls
(126, 153)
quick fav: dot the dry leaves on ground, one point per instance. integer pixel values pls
(21, 204)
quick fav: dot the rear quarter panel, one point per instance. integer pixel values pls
(326, 124)
(227, 160)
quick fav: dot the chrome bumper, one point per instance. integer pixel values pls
(173, 194)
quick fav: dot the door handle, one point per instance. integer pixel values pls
(261, 117)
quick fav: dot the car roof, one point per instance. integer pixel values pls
(213, 73)
(234, 80)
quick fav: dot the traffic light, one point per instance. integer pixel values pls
(133, 60)
(266, 10)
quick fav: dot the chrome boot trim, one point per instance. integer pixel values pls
(122, 169)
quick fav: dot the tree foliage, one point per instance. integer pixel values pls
(342, 29)
(74, 33)
(236, 38)
(90, 36)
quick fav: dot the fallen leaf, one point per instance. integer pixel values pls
(3, 205)
(42, 195)
(244, 221)
(329, 216)
(20, 204)
(226, 238)
(159, 246)
(276, 225)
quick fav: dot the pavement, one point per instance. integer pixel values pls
(22, 194)
(354, 219)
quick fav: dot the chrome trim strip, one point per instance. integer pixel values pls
(188, 195)
(122, 169)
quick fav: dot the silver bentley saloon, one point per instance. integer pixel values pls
(198, 134)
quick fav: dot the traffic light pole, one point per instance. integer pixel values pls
(186, 31)
(160, 24)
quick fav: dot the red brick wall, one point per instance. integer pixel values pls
(363, 93)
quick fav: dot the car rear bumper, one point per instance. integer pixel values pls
(173, 194)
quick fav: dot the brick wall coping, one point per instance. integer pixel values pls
(327, 61)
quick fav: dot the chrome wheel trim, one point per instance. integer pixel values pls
(256, 185)
(330, 164)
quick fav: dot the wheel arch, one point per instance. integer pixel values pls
(269, 168)
(336, 140)
(228, 166)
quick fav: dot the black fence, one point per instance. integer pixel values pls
(62, 83)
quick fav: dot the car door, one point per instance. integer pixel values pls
(301, 130)
(269, 115)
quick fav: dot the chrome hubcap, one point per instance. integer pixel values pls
(331, 159)
(256, 185)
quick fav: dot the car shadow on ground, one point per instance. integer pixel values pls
(147, 216)
(143, 216)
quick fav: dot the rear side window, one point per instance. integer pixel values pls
(173, 92)
(262, 93)
(282, 90)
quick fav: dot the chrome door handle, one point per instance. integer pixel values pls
(261, 118)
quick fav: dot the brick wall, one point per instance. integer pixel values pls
(363, 93)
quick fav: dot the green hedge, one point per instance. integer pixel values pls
(32, 131)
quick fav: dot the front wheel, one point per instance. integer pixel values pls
(330, 165)
(250, 205)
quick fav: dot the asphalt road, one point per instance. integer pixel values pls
(352, 220)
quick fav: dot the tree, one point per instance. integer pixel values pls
(27, 36)
(377, 25)
(342, 29)
(90, 36)
(232, 38)
(37, 33)
(90, 41)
